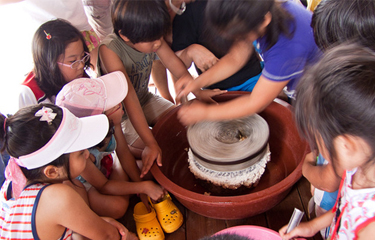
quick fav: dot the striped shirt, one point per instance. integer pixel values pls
(17, 217)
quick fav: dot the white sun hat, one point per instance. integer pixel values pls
(74, 134)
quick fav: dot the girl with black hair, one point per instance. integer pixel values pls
(285, 38)
(60, 55)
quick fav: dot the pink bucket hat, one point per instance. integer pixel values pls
(87, 97)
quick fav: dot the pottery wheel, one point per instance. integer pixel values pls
(228, 149)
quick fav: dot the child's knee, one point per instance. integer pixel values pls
(120, 206)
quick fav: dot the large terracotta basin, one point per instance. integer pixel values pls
(282, 172)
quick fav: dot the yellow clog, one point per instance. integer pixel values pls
(169, 216)
(148, 227)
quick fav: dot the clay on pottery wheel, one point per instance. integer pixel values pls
(231, 153)
(282, 172)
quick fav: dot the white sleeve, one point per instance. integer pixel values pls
(26, 97)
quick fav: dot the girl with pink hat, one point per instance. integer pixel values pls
(111, 172)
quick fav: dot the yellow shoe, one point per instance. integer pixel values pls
(148, 227)
(169, 216)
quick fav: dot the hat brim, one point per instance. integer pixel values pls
(116, 88)
(93, 131)
(74, 134)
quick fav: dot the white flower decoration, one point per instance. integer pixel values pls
(46, 114)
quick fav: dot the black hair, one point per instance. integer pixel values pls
(336, 96)
(235, 19)
(23, 133)
(226, 236)
(140, 21)
(337, 21)
(46, 53)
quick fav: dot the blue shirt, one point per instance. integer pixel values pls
(288, 57)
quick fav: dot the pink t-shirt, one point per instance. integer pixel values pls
(355, 209)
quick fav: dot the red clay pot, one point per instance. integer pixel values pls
(285, 168)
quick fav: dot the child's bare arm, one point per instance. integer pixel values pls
(178, 69)
(160, 78)
(171, 61)
(367, 232)
(126, 158)
(308, 229)
(61, 207)
(265, 91)
(201, 56)
(118, 187)
(233, 61)
(322, 177)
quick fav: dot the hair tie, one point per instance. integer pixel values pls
(14, 173)
(48, 36)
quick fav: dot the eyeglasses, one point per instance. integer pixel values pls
(77, 63)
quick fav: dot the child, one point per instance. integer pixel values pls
(48, 146)
(282, 30)
(139, 27)
(334, 22)
(60, 55)
(108, 193)
(334, 112)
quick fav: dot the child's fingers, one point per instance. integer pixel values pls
(282, 231)
(145, 201)
(121, 228)
(146, 166)
(159, 160)
(299, 231)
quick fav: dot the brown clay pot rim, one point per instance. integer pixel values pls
(181, 192)
(265, 193)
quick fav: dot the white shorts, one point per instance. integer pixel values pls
(156, 106)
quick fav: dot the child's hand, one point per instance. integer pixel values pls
(184, 86)
(144, 199)
(153, 190)
(207, 94)
(203, 58)
(124, 232)
(150, 153)
(192, 113)
(304, 229)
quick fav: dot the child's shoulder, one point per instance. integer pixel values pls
(60, 193)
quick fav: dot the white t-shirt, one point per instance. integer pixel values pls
(27, 97)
